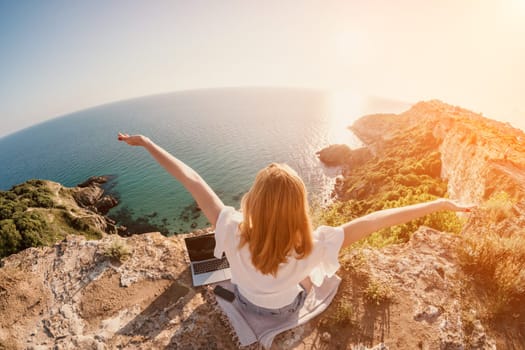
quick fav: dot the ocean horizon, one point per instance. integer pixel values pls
(226, 135)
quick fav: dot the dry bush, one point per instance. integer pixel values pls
(118, 249)
(498, 207)
(497, 264)
(377, 293)
(344, 314)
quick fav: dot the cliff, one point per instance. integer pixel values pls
(478, 157)
(432, 290)
(476, 152)
(40, 212)
(74, 295)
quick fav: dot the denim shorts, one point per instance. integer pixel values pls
(282, 311)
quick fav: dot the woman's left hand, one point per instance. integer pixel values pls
(457, 206)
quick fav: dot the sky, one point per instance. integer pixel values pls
(57, 57)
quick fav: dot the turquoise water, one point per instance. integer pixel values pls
(227, 135)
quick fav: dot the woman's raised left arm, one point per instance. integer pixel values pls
(205, 197)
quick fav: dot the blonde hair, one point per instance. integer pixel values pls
(276, 222)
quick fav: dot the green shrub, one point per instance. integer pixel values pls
(7, 195)
(37, 183)
(33, 193)
(37, 198)
(342, 212)
(9, 208)
(33, 238)
(10, 238)
(32, 228)
(29, 220)
(25, 230)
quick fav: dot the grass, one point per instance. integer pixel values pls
(495, 260)
(498, 207)
(377, 293)
(344, 314)
(117, 249)
(78, 224)
(497, 265)
(354, 261)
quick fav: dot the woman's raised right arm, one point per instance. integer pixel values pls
(205, 197)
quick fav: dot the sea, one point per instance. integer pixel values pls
(227, 135)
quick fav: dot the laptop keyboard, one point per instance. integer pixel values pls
(212, 265)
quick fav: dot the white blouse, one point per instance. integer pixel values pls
(265, 290)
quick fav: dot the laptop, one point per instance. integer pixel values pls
(205, 267)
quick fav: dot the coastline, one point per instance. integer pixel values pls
(137, 291)
(192, 214)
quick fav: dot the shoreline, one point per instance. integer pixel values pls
(191, 214)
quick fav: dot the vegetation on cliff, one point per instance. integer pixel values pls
(435, 150)
(21, 228)
(406, 169)
(38, 212)
(494, 259)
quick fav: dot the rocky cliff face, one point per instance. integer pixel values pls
(479, 156)
(136, 292)
(74, 296)
(474, 150)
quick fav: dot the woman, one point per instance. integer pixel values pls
(274, 255)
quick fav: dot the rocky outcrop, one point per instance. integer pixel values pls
(479, 157)
(90, 198)
(75, 295)
(342, 155)
(90, 195)
(335, 155)
(94, 181)
(81, 298)
(423, 307)
(476, 152)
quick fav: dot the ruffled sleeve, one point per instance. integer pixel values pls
(329, 241)
(225, 228)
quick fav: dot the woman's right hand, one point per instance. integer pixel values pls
(133, 140)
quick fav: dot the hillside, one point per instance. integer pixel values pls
(424, 288)
(40, 212)
(435, 149)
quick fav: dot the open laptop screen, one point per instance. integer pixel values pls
(201, 247)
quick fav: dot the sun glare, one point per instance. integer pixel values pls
(349, 46)
(344, 107)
